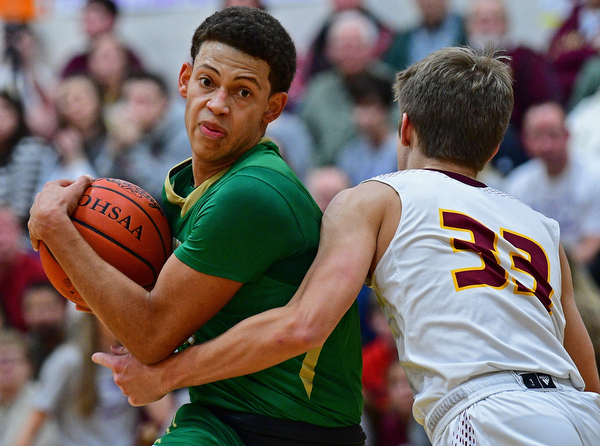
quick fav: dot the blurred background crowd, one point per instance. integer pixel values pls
(99, 104)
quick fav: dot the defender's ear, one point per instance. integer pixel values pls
(185, 75)
(406, 129)
(493, 154)
(277, 103)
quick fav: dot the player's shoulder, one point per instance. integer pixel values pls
(366, 201)
(274, 193)
(372, 190)
(263, 164)
(256, 180)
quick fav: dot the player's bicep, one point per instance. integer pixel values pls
(348, 238)
(346, 250)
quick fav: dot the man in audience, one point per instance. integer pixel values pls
(317, 59)
(327, 105)
(373, 151)
(534, 79)
(326, 182)
(439, 28)
(558, 182)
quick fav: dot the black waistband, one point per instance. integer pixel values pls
(259, 430)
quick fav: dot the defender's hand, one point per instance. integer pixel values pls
(141, 383)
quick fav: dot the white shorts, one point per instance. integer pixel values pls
(561, 416)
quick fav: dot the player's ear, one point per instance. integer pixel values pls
(185, 75)
(406, 129)
(493, 154)
(277, 103)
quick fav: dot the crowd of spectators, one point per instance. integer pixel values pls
(104, 113)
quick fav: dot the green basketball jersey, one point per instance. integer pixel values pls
(257, 224)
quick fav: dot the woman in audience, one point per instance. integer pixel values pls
(82, 397)
(17, 390)
(23, 158)
(81, 140)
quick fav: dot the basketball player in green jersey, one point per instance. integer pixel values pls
(246, 231)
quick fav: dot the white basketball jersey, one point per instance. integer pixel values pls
(471, 284)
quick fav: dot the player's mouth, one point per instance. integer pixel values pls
(212, 130)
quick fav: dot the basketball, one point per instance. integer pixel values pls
(125, 226)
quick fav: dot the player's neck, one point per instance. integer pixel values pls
(420, 161)
(451, 167)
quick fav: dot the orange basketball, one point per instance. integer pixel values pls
(125, 226)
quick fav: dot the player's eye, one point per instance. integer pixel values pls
(245, 93)
(205, 82)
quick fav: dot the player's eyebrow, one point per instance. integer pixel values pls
(250, 79)
(240, 77)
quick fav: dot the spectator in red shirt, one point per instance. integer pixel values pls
(575, 42)
(19, 268)
(99, 18)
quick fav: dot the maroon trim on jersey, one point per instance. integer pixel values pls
(462, 178)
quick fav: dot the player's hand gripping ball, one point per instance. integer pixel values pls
(125, 226)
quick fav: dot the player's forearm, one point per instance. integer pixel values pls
(271, 337)
(250, 346)
(97, 281)
(254, 344)
(108, 292)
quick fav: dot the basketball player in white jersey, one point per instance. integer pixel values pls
(474, 283)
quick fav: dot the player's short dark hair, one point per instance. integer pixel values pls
(151, 77)
(459, 102)
(256, 33)
(109, 5)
